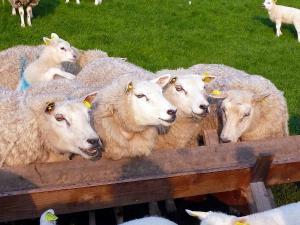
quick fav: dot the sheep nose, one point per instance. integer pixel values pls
(224, 139)
(95, 142)
(204, 108)
(75, 56)
(171, 112)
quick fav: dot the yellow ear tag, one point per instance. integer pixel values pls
(207, 78)
(173, 80)
(216, 92)
(50, 217)
(241, 223)
(129, 87)
(88, 104)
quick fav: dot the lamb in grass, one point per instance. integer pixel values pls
(252, 107)
(283, 15)
(49, 63)
(126, 113)
(12, 62)
(97, 2)
(19, 5)
(187, 93)
(36, 128)
(284, 215)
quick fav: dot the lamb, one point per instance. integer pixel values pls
(152, 220)
(20, 4)
(127, 112)
(282, 14)
(97, 2)
(284, 215)
(49, 63)
(187, 93)
(36, 128)
(48, 218)
(11, 62)
(252, 107)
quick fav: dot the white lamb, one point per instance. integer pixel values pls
(11, 62)
(35, 128)
(281, 14)
(97, 2)
(150, 221)
(252, 107)
(126, 113)
(284, 215)
(48, 65)
(20, 4)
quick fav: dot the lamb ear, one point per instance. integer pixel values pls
(89, 99)
(129, 87)
(260, 97)
(217, 94)
(207, 77)
(198, 214)
(46, 40)
(163, 80)
(54, 36)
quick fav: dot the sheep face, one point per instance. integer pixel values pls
(48, 218)
(60, 49)
(212, 218)
(66, 127)
(268, 4)
(148, 105)
(188, 95)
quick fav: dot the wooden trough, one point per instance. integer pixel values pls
(81, 185)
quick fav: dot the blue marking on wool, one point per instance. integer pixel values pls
(24, 85)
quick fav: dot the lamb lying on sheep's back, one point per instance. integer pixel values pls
(36, 128)
(252, 109)
(13, 59)
(126, 113)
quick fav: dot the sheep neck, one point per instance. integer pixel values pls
(48, 59)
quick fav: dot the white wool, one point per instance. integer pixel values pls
(149, 221)
(97, 2)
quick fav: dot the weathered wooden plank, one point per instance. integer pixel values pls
(210, 137)
(83, 185)
(262, 200)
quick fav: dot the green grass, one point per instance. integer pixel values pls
(158, 34)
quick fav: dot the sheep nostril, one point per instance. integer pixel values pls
(94, 141)
(171, 112)
(225, 140)
(204, 107)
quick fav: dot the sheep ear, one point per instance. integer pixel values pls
(198, 214)
(88, 101)
(261, 97)
(163, 80)
(46, 40)
(129, 87)
(54, 36)
(50, 107)
(240, 221)
(217, 94)
(207, 77)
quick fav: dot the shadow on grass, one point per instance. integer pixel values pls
(294, 124)
(267, 22)
(45, 7)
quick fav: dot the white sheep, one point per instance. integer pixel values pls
(97, 2)
(187, 93)
(252, 109)
(48, 65)
(35, 128)
(152, 220)
(20, 4)
(282, 14)
(126, 113)
(11, 62)
(284, 215)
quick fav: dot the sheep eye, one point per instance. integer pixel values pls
(178, 88)
(59, 117)
(63, 48)
(140, 95)
(247, 114)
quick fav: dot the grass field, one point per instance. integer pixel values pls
(160, 34)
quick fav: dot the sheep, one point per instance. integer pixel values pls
(126, 113)
(20, 4)
(282, 14)
(35, 128)
(187, 93)
(48, 218)
(284, 215)
(97, 2)
(10, 66)
(152, 220)
(48, 64)
(252, 107)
